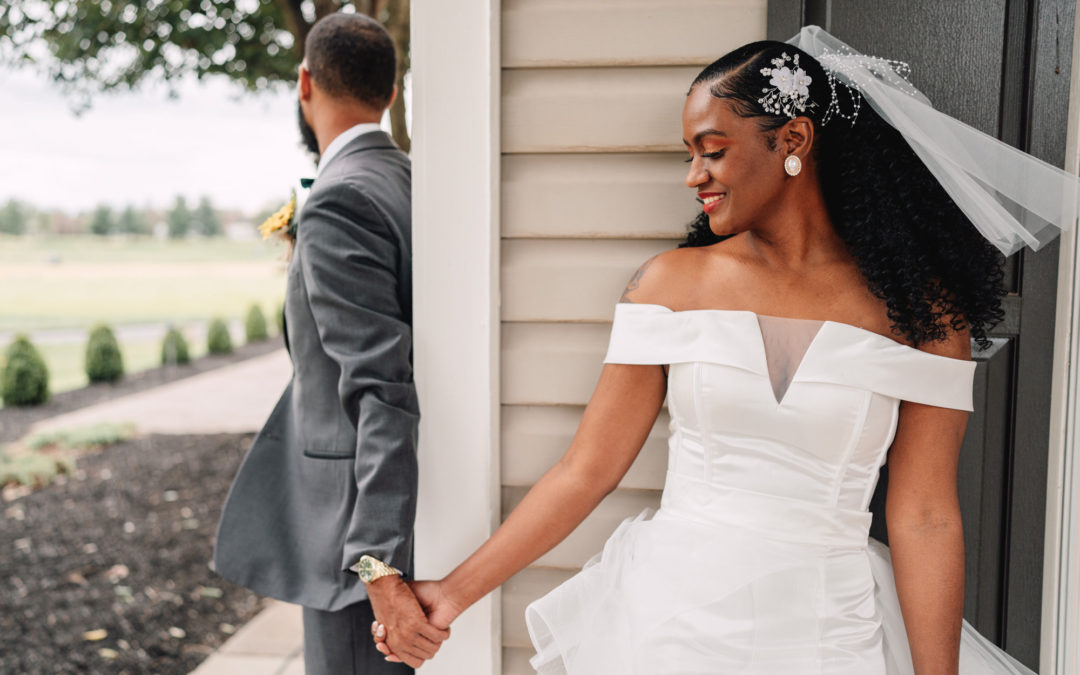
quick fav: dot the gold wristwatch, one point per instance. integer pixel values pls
(370, 568)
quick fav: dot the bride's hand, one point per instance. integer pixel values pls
(441, 610)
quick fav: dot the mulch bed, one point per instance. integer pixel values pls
(15, 421)
(122, 546)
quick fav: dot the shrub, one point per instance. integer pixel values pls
(24, 377)
(255, 325)
(104, 363)
(32, 468)
(279, 318)
(218, 340)
(82, 438)
(174, 348)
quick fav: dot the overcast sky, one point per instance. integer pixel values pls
(142, 148)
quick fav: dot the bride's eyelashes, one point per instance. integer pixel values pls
(708, 155)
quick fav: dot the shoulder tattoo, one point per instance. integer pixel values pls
(635, 280)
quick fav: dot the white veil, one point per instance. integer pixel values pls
(1012, 198)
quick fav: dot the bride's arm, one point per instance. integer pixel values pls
(616, 422)
(926, 538)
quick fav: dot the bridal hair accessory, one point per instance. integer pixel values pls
(850, 63)
(792, 165)
(790, 88)
(1012, 198)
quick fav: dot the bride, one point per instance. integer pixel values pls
(817, 323)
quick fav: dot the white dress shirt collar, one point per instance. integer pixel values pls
(342, 140)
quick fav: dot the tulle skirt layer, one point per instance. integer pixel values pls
(672, 596)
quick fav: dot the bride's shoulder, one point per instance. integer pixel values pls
(673, 278)
(955, 343)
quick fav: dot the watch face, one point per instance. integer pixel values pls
(365, 569)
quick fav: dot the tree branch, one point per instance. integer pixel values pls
(326, 7)
(397, 25)
(296, 23)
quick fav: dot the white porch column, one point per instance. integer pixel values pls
(455, 159)
(1060, 651)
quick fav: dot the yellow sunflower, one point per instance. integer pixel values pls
(281, 220)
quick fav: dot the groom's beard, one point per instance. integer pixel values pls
(307, 134)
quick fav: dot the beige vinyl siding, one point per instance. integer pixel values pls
(611, 195)
(591, 187)
(547, 33)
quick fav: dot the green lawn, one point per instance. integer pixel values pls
(90, 249)
(75, 282)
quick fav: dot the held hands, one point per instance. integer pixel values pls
(406, 631)
(438, 606)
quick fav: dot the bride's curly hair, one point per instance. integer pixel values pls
(913, 245)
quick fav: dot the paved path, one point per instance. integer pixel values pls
(270, 644)
(231, 399)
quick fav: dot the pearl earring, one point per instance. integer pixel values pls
(792, 165)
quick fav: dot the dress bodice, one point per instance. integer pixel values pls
(758, 560)
(797, 409)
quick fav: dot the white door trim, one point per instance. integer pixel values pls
(1060, 650)
(455, 126)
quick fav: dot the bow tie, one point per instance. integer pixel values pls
(306, 182)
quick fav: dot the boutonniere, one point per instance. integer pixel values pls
(282, 223)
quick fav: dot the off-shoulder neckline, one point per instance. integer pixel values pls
(824, 322)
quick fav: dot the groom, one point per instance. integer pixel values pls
(321, 512)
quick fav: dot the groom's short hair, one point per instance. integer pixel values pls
(352, 56)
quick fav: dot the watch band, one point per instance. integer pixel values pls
(370, 568)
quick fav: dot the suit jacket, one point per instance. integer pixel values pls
(333, 473)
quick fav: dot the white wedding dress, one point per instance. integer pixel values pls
(758, 560)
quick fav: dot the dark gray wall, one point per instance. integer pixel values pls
(1002, 66)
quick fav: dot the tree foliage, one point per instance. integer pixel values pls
(102, 222)
(90, 46)
(14, 217)
(207, 218)
(132, 221)
(178, 219)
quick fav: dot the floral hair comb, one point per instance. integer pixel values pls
(790, 88)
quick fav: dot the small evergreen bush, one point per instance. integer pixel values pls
(174, 348)
(24, 377)
(255, 325)
(218, 340)
(104, 363)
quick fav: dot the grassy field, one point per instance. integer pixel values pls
(90, 249)
(75, 282)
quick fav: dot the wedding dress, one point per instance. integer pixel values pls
(758, 560)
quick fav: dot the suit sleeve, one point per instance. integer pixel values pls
(349, 257)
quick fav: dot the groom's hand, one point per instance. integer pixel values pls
(440, 609)
(408, 633)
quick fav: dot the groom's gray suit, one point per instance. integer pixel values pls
(333, 473)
